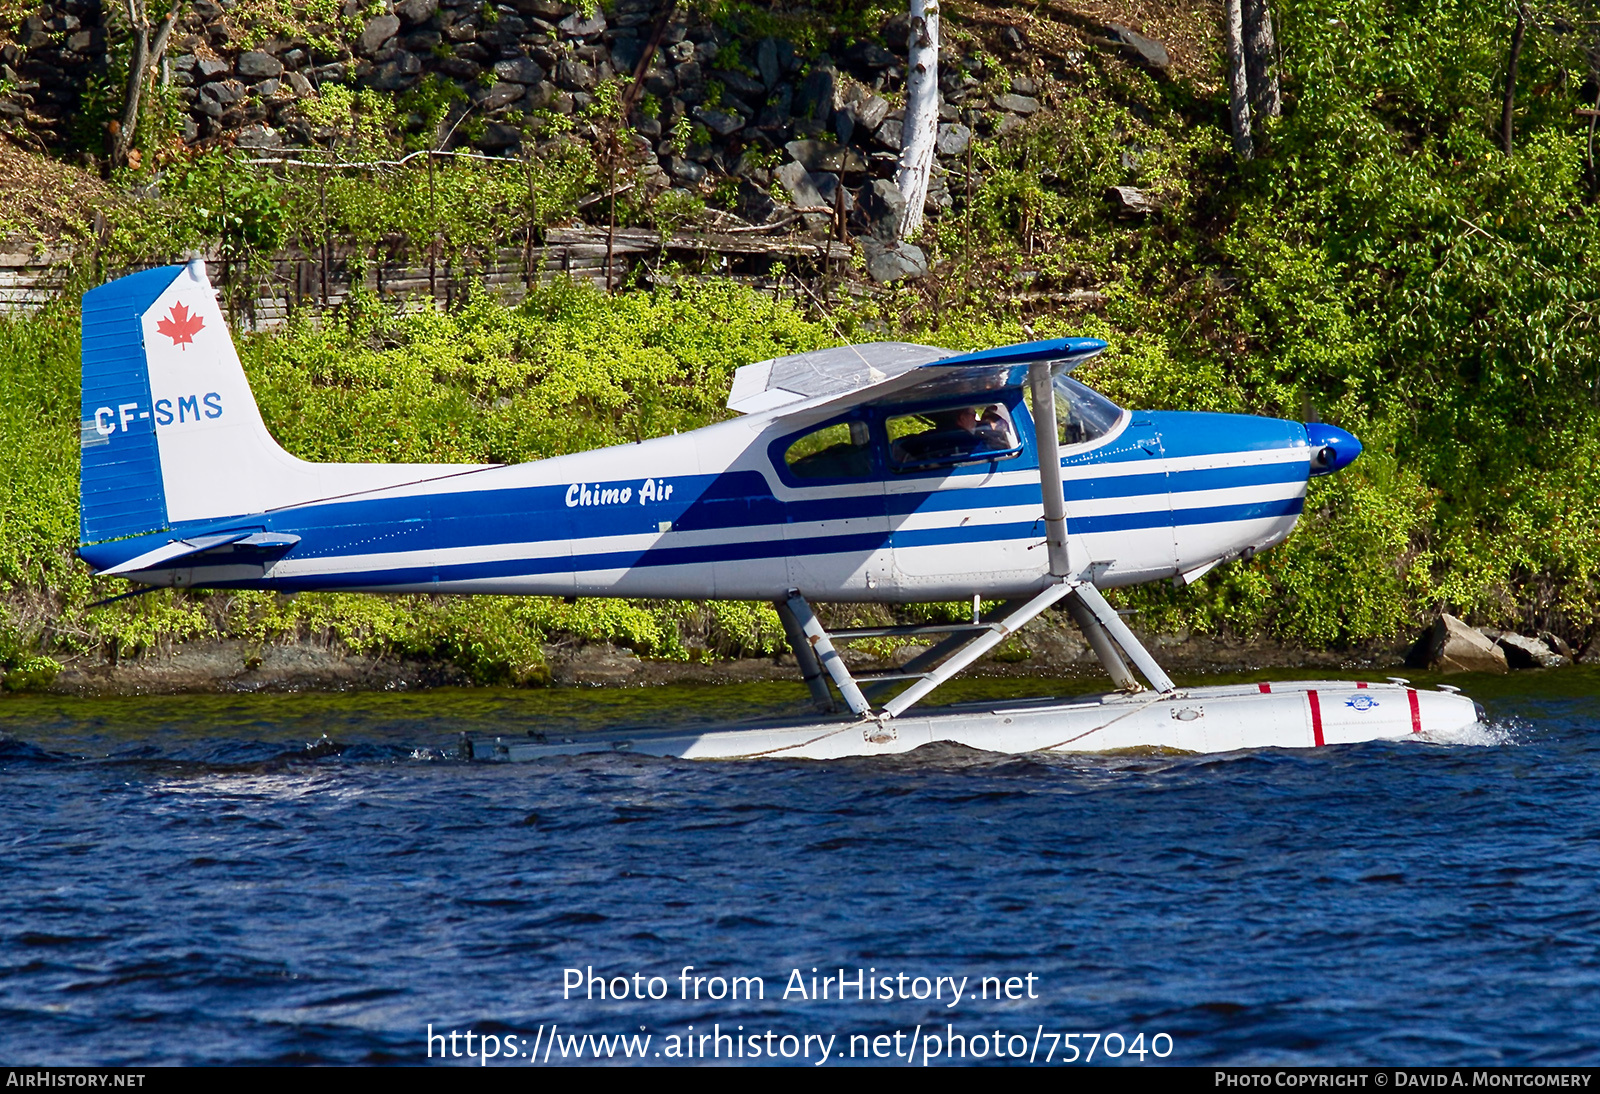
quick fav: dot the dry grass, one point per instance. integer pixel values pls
(1189, 29)
(44, 201)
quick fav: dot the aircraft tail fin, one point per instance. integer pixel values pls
(170, 435)
(169, 432)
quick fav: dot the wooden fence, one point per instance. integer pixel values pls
(307, 282)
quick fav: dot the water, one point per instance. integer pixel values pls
(206, 880)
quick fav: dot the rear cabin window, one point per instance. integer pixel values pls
(968, 433)
(1082, 414)
(839, 451)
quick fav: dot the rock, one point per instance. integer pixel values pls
(519, 70)
(501, 94)
(498, 135)
(256, 65)
(398, 73)
(212, 67)
(688, 74)
(659, 83)
(298, 84)
(625, 54)
(1017, 104)
(722, 123)
(897, 262)
(872, 56)
(685, 171)
(378, 30)
(803, 192)
(767, 62)
(1522, 652)
(416, 11)
(740, 84)
(1007, 123)
(830, 188)
(541, 95)
(823, 156)
(1024, 85)
(1452, 646)
(1556, 643)
(953, 139)
(1150, 51)
(1130, 199)
(575, 76)
(889, 134)
(882, 204)
(815, 100)
(579, 25)
(258, 137)
(1012, 39)
(459, 68)
(596, 665)
(544, 9)
(871, 111)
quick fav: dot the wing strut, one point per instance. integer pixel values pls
(1046, 442)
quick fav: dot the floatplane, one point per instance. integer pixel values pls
(885, 473)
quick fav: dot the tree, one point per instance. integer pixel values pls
(1510, 98)
(1261, 59)
(1238, 79)
(142, 65)
(920, 132)
(1252, 69)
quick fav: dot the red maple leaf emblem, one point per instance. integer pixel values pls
(181, 325)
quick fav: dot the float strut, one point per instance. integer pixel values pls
(1106, 616)
(805, 656)
(817, 642)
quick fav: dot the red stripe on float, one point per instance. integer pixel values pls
(1416, 711)
(1361, 683)
(1316, 718)
(1266, 689)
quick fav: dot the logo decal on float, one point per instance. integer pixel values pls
(1361, 702)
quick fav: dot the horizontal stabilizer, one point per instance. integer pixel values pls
(226, 547)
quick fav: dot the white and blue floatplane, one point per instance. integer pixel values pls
(887, 473)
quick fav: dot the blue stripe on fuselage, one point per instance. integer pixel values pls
(736, 500)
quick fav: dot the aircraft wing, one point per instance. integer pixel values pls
(886, 373)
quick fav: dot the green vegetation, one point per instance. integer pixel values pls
(1382, 263)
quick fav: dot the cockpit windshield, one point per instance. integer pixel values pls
(1082, 414)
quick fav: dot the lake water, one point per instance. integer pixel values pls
(319, 879)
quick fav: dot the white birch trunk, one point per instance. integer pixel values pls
(1238, 83)
(920, 132)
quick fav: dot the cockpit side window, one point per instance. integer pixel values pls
(966, 433)
(1082, 414)
(842, 450)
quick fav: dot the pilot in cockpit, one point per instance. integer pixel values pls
(955, 434)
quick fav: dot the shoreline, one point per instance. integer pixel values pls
(224, 666)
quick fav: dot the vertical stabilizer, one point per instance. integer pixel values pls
(171, 435)
(120, 490)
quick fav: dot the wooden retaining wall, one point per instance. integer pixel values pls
(307, 282)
